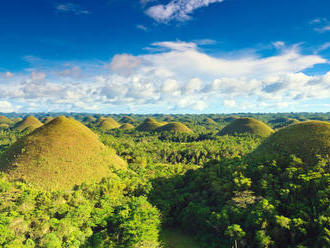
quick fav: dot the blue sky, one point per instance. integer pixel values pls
(173, 56)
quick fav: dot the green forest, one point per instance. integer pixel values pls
(164, 181)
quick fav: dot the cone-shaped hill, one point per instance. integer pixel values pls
(89, 119)
(4, 125)
(4, 120)
(176, 127)
(100, 119)
(127, 119)
(230, 118)
(149, 124)
(108, 123)
(247, 125)
(168, 118)
(29, 123)
(47, 119)
(59, 155)
(126, 126)
(305, 140)
(209, 121)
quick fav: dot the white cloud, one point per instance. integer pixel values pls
(6, 107)
(37, 76)
(74, 71)
(321, 25)
(71, 8)
(179, 76)
(229, 103)
(278, 44)
(124, 62)
(142, 27)
(179, 10)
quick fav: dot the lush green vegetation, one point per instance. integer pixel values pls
(176, 189)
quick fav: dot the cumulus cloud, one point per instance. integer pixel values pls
(179, 10)
(177, 76)
(124, 62)
(7, 107)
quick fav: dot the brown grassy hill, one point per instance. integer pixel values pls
(4, 126)
(230, 118)
(247, 125)
(4, 120)
(59, 155)
(127, 119)
(168, 118)
(210, 121)
(108, 123)
(149, 124)
(305, 140)
(89, 119)
(47, 119)
(29, 122)
(100, 119)
(176, 127)
(126, 126)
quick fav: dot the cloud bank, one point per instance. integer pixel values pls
(173, 77)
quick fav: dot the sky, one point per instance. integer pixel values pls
(165, 56)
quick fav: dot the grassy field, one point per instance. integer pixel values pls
(173, 238)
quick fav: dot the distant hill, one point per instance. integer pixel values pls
(89, 119)
(305, 140)
(47, 119)
(4, 120)
(126, 126)
(208, 120)
(247, 125)
(176, 127)
(59, 155)
(29, 123)
(108, 123)
(149, 124)
(127, 119)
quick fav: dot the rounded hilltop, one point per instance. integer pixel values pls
(108, 123)
(209, 121)
(29, 123)
(89, 118)
(47, 119)
(59, 155)
(149, 124)
(127, 119)
(126, 126)
(176, 127)
(247, 125)
(304, 140)
(4, 120)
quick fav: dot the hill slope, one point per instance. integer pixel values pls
(4, 120)
(149, 124)
(126, 126)
(108, 123)
(59, 155)
(176, 127)
(127, 119)
(247, 125)
(29, 122)
(305, 140)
